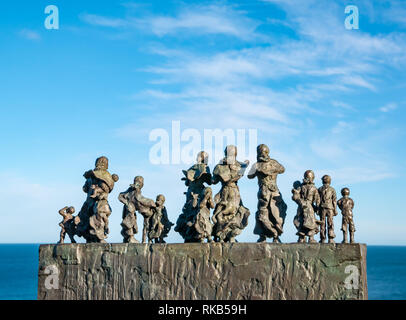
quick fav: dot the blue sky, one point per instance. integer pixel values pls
(321, 96)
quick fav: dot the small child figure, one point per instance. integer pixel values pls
(99, 194)
(307, 197)
(159, 222)
(68, 224)
(327, 210)
(160, 201)
(346, 204)
(201, 223)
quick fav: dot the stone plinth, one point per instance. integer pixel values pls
(202, 271)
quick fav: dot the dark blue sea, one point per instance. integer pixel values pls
(19, 266)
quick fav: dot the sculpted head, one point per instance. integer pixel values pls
(308, 176)
(138, 182)
(160, 200)
(262, 152)
(102, 163)
(345, 192)
(231, 153)
(208, 191)
(297, 184)
(326, 179)
(202, 157)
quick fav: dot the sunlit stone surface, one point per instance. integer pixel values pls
(202, 271)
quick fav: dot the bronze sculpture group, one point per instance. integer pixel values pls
(156, 223)
(230, 216)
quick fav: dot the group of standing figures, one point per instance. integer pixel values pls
(230, 216)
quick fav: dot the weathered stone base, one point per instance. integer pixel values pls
(202, 271)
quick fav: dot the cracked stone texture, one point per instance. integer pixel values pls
(202, 271)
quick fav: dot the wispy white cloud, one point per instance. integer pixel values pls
(250, 104)
(389, 107)
(30, 34)
(358, 174)
(342, 127)
(238, 87)
(190, 20)
(358, 81)
(340, 104)
(97, 20)
(212, 19)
